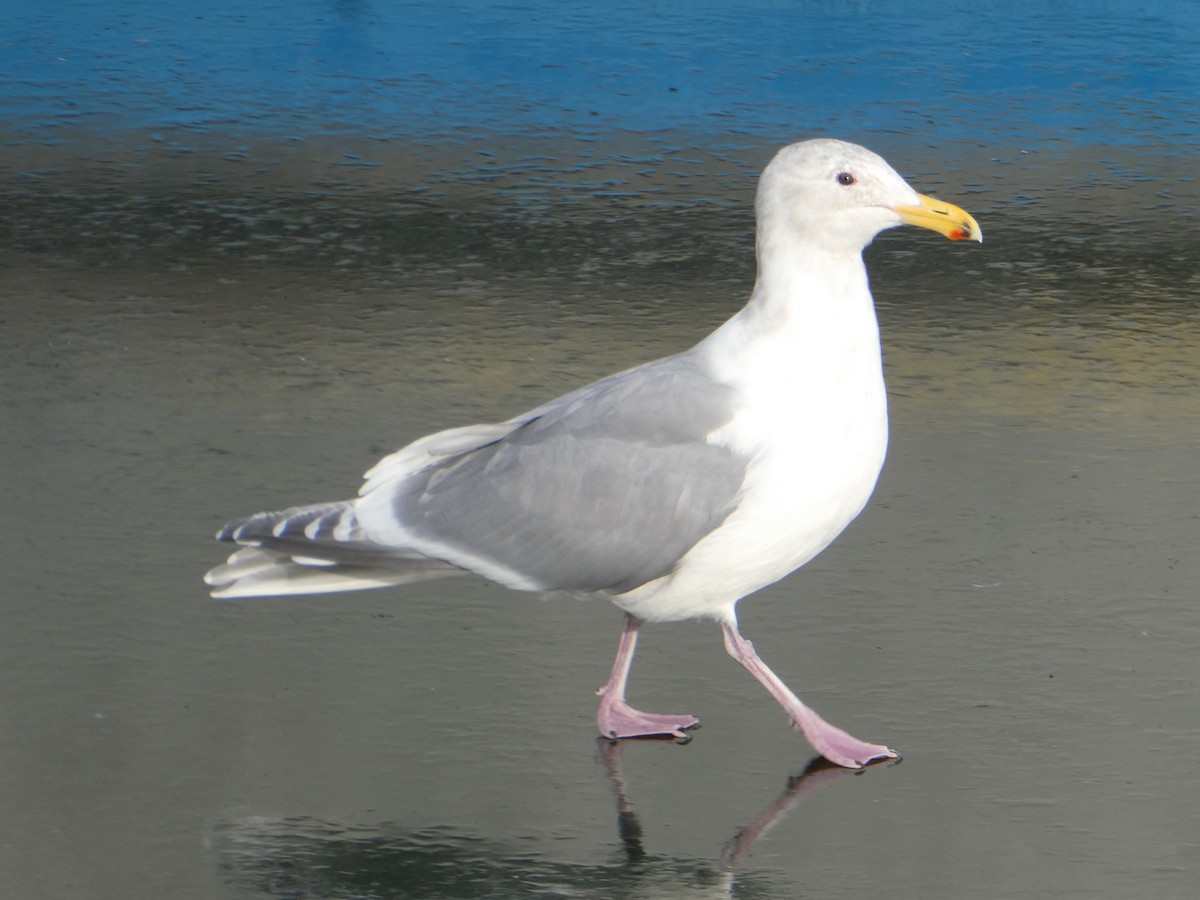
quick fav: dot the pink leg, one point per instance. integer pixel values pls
(616, 718)
(831, 742)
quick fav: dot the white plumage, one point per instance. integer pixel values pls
(675, 488)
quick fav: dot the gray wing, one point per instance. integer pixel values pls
(605, 488)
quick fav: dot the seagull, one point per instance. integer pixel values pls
(673, 489)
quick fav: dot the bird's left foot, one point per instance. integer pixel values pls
(617, 719)
(839, 747)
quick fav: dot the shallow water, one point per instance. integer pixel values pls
(186, 335)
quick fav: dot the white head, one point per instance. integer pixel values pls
(838, 195)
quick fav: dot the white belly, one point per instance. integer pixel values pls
(815, 457)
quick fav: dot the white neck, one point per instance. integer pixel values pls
(810, 313)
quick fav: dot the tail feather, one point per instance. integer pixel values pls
(313, 550)
(320, 521)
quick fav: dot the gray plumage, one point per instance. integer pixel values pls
(603, 489)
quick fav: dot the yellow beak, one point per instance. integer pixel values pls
(944, 218)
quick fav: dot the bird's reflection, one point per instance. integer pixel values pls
(817, 773)
(304, 857)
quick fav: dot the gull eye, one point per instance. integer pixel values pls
(845, 179)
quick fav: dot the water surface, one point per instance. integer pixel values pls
(246, 251)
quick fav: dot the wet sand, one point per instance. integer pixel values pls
(1015, 611)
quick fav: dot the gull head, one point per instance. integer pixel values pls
(839, 195)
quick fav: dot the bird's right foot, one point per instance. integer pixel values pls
(616, 719)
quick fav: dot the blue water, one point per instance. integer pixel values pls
(1074, 71)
